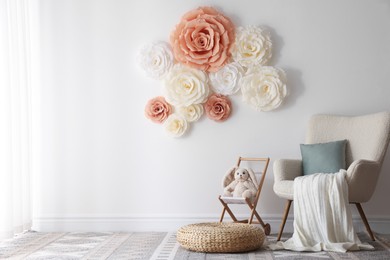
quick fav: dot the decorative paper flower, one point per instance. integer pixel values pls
(225, 81)
(191, 113)
(218, 107)
(203, 39)
(206, 51)
(252, 47)
(176, 125)
(156, 59)
(158, 110)
(264, 88)
(186, 86)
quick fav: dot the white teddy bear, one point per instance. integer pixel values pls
(243, 185)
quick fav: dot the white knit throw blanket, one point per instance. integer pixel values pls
(322, 217)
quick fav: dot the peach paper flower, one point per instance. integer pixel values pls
(203, 39)
(218, 107)
(158, 110)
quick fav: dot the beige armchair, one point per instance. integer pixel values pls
(367, 141)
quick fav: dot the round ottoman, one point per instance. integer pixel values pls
(220, 237)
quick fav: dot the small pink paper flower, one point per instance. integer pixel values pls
(203, 39)
(218, 107)
(158, 110)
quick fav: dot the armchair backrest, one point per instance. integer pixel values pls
(367, 136)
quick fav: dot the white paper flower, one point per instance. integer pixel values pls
(186, 86)
(264, 88)
(156, 59)
(225, 81)
(176, 125)
(191, 113)
(252, 47)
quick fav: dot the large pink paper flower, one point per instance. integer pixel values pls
(218, 107)
(158, 110)
(203, 39)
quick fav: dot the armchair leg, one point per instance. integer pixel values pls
(286, 210)
(363, 216)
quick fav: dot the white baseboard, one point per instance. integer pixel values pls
(168, 223)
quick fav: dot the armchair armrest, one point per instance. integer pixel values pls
(362, 176)
(287, 169)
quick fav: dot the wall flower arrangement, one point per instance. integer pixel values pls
(208, 59)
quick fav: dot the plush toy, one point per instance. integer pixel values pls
(240, 182)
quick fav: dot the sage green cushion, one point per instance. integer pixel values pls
(323, 157)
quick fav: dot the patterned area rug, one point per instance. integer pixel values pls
(161, 246)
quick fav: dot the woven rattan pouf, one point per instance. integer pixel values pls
(220, 237)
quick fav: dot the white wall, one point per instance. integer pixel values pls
(105, 166)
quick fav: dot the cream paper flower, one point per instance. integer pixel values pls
(264, 88)
(252, 47)
(156, 59)
(225, 81)
(191, 113)
(186, 86)
(176, 125)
